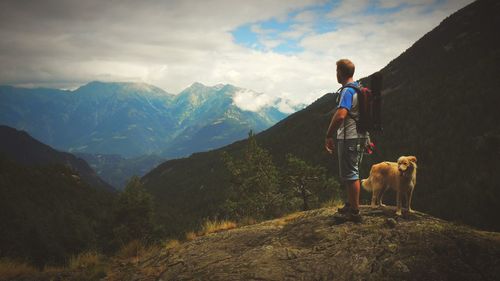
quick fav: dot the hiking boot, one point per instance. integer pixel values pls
(354, 216)
(348, 215)
(345, 209)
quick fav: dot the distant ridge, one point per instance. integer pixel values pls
(52, 205)
(20, 147)
(117, 170)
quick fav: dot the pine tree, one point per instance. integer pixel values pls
(254, 184)
(308, 183)
(133, 213)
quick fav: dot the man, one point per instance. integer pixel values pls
(349, 141)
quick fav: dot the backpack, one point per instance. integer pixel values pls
(369, 104)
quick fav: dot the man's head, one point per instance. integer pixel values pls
(345, 70)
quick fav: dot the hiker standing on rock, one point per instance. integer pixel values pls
(343, 125)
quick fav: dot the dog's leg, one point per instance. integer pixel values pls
(381, 196)
(406, 195)
(409, 200)
(374, 198)
(375, 189)
(398, 203)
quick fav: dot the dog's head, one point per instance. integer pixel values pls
(406, 165)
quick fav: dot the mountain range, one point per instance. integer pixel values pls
(439, 103)
(134, 119)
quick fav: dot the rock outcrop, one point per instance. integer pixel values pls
(313, 246)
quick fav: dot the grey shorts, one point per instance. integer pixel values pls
(350, 155)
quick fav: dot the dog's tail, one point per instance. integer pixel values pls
(366, 184)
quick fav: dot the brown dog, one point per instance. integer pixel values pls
(400, 176)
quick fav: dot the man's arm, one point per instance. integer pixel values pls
(335, 123)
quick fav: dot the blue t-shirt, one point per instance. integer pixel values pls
(347, 95)
(349, 101)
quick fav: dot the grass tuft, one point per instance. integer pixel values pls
(210, 226)
(288, 218)
(88, 266)
(333, 203)
(85, 260)
(51, 269)
(170, 244)
(190, 236)
(131, 250)
(10, 269)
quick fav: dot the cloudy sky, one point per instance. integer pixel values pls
(282, 48)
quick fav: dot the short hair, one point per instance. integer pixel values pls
(345, 67)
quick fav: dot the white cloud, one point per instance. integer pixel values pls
(252, 101)
(270, 43)
(351, 9)
(286, 106)
(387, 4)
(297, 31)
(171, 44)
(306, 16)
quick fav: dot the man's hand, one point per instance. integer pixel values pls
(329, 145)
(335, 123)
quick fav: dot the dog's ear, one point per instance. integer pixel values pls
(412, 159)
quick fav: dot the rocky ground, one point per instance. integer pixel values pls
(313, 246)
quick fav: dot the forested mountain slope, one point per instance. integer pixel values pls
(440, 104)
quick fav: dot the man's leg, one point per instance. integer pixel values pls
(342, 168)
(349, 159)
(353, 187)
(348, 168)
(350, 212)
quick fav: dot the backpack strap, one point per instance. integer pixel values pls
(358, 91)
(351, 86)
